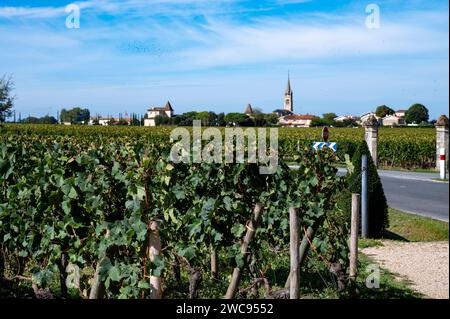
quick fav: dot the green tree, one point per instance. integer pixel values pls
(40, 120)
(329, 118)
(417, 113)
(159, 120)
(237, 119)
(135, 120)
(384, 110)
(75, 115)
(205, 118)
(259, 119)
(6, 100)
(48, 120)
(271, 119)
(31, 120)
(350, 123)
(317, 121)
(221, 119)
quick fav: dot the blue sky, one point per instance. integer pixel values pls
(220, 55)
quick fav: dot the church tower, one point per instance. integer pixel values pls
(288, 102)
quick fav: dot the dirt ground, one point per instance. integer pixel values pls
(425, 264)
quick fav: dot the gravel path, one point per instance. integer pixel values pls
(425, 264)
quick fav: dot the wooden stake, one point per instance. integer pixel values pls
(213, 263)
(98, 287)
(251, 230)
(154, 250)
(304, 247)
(294, 252)
(354, 237)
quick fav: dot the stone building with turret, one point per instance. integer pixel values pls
(152, 113)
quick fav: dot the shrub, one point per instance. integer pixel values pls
(377, 204)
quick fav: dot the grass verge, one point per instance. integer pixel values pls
(410, 227)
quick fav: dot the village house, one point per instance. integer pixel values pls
(296, 120)
(343, 118)
(153, 112)
(103, 121)
(400, 113)
(393, 120)
(106, 121)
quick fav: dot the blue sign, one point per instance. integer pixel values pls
(320, 145)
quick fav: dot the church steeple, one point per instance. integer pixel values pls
(288, 88)
(288, 96)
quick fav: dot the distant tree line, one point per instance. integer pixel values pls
(220, 119)
(39, 120)
(327, 119)
(416, 114)
(75, 115)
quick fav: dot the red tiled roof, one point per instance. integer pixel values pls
(299, 117)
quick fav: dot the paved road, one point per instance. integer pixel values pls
(416, 193)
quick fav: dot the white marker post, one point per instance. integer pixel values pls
(442, 162)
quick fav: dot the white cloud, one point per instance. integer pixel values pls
(30, 12)
(234, 44)
(136, 7)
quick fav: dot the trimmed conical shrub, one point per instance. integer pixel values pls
(377, 204)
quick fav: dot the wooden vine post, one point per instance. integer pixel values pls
(294, 254)
(62, 274)
(304, 246)
(98, 286)
(250, 234)
(354, 237)
(154, 250)
(213, 263)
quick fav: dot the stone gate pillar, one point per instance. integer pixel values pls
(442, 139)
(371, 137)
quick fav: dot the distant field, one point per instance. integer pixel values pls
(408, 148)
